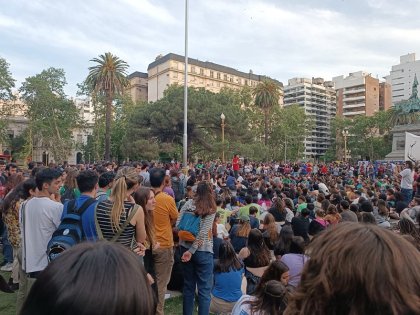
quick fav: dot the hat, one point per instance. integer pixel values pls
(244, 217)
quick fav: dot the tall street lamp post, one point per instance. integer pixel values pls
(222, 117)
(345, 135)
(185, 137)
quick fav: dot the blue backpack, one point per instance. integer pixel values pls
(70, 230)
(188, 226)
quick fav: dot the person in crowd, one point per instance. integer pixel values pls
(39, 217)
(164, 217)
(198, 255)
(270, 231)
(253, 219)
(346, 213)
(256, 258)
(277, 270)
(352, 288)
(295, 259)
(119, 218)
(318, 224)
(145, 198)
(69, 190)
(105, 183)
(413, 212)
(407, 179)
(407, 227)
(278, 210)
(69, 285)
(228, 273)
(222, 233)
(332, 216)
(283, 245)
(300, 224)
(167, 189)
(270, 300)
(400, 204)
(381, 214)
(238, 234)
(217, 241)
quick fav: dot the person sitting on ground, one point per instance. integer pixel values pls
(346, 213)
(228, 272)
(256, 258)
(272, 299)
(318, 224)
(300, 225)
(69, 285)
(332, 216)
(295, 259)
(408, 228)
(270, 232)
(238, 234)
(253, 220)
(351, 289)
(412, 212)
(283, 245)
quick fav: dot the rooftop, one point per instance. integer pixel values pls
(138, 74)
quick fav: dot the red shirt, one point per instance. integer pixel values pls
(235, 163)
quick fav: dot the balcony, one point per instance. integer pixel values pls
(354, 105)
(360, 112)
(358, 90)
(354, 98)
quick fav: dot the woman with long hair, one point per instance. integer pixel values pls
(256, 258)
(119, 218)
(10, 213)
(408, 228)
(269, 230)
(272, 299)
(295, 259)
(332, 216)
(285, 239)
(227, 279)
(198, 254)
(239, 233)
(277, 270)
(278, 210)
(369, 257)
(69, 190)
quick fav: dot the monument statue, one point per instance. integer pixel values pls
(406, 119)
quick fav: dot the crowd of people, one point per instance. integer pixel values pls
(236, 238)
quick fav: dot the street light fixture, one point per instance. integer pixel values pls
(345, 133)
(222, 117)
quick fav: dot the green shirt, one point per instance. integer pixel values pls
(245, 209)
(301, 207)
(224, 214)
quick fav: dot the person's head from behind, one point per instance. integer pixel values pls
(392, 288)
(271, 298)
(297, 245)
(305, 212)
(87, 181)
(157, 177)
(48, 181)
(106, 180)
(228, 260)
(367, 217)
(72, 283)
(344, 205)
(256, 246)
(253, 211)
(205, 201)
(277, 270)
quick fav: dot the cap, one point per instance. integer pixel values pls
(244, 217)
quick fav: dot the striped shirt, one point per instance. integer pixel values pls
(103, 214)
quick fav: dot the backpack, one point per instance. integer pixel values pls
(70, 230)
(188, 226)
(178, 191)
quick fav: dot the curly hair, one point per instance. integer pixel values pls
(358, 269)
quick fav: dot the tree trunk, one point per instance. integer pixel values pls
(108, 120)
(265, 126)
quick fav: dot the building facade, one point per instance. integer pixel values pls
(401, 77)
(169, 69)
(361, 94)
(318, 98)
(138, 86)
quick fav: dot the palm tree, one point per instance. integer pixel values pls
(108, 78)
(266, 95)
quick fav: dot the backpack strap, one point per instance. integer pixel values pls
(133, 211)
(98, 228)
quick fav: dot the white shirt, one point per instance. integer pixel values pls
(243, 309)
(222, 232)
(407, 178)
(39, 218)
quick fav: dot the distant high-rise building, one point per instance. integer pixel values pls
(401, 77)
(169, 69)
(138, 86)
(361, 94)
(318, 98)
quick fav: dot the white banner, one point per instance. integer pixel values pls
(412, 147)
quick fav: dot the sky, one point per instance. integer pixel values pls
(278, 38)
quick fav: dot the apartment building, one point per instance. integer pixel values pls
(318, 98)
(169, 69)
(138, 86)
(401, 77)
(361, 94)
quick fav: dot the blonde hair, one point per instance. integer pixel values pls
(125, 179)
(244, 229)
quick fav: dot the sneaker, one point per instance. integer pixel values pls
(7, 267)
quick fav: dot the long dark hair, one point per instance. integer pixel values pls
(285, 239)
(257, 248)
(271, 299)
(228, 260)
(21, 191)
(353, 287)
(274, 272)
(141, 197)
(204, 200)
(72, 283)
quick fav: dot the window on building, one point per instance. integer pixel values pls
(192, 69)
(225, 77)
(201, 71)
(211, 74)
(218, 75)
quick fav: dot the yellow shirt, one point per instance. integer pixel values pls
(165, 212)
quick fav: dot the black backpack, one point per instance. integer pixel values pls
(70, 230)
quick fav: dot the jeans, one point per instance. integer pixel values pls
(7, 248)
(407, 194)
(198, 272)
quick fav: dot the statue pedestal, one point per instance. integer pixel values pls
(398, 141)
